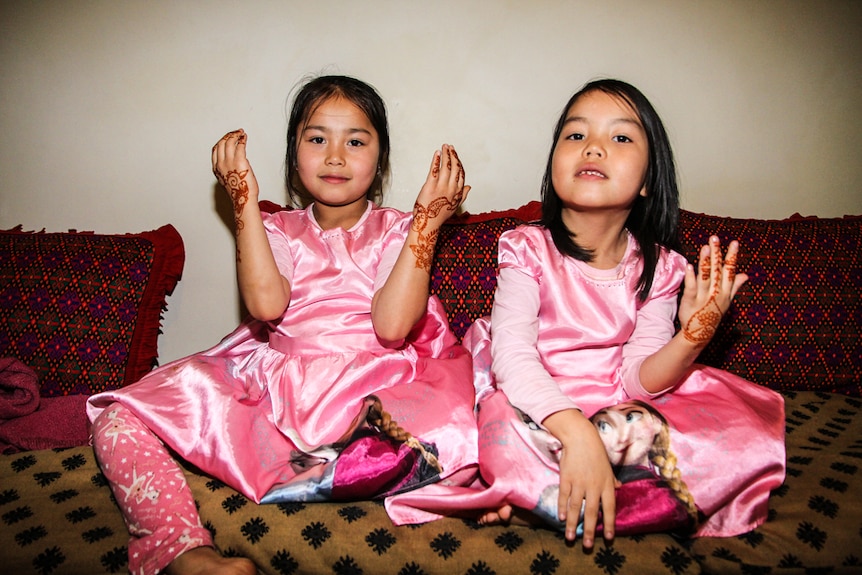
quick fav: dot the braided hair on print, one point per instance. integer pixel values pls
(379, 418)
(665, 462)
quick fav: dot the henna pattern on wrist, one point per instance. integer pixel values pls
(237, 188)
(423, 249)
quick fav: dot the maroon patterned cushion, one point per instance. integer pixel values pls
(464, 274)
(83, 310)
(797, 323)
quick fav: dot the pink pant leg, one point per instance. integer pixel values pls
(150, 489)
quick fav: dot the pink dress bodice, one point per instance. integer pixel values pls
(577, 333)
(274, 402)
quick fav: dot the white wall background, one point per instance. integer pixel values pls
(109, 108)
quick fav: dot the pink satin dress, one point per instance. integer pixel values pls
(567, 335)
(271, 409)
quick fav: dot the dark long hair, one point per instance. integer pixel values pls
(314, 93)
(653, 219)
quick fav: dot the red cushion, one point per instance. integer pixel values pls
(797, 323)
(84, 310)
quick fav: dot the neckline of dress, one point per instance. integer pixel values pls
(338, 230)
(611, 274)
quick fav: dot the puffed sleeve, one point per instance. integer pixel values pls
(393, 243)
(654, 325)
(516, 363)
(276, 232)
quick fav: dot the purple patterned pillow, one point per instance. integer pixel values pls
(83, 310)
(797, 323)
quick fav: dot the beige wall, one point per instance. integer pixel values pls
(108, 109)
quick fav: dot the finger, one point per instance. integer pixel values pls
(609, 513)
(464, 193)
(446, 166)
(563, 500)
(434, 171)
(457, 168)
(220, 149)
(717, 262)
(690, 285)
(591, 518)
(704, 264)
(730, 262)
(228, 149)
(738, 281)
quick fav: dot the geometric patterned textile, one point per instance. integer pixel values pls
(797, 323)
(464, 272)
(83, 310)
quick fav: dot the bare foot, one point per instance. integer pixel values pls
(207, 561)
(500, 516)
(508, 515)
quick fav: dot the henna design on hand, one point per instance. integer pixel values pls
(703, 324)
(423, 249)
(705, 265)
(461, 173)
(237, 188)
(435, 169)
(730, 265)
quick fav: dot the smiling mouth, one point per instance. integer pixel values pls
(594, 173)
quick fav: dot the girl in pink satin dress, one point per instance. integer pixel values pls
(583, 318)
(301, 401)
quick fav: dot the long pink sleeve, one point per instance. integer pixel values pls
(654, 325)
(516, 362)
(560, 332)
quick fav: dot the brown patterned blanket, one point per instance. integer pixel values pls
(57, 516)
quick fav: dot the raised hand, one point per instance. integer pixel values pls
(708, 292)
(439, 198)
(233, 171)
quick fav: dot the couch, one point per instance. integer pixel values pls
(795, 327)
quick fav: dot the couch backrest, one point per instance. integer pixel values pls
(796, 325)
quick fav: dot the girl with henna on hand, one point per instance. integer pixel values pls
(583, 318)
(584, 315)
(301, 402)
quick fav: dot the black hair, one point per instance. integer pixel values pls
(654, 218)
(314, 93)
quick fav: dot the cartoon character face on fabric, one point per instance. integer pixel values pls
(628, 431)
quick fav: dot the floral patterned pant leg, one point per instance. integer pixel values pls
(151, 490)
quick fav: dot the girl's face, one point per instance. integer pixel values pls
(628, 432)
(600, 159)
(337, 154)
